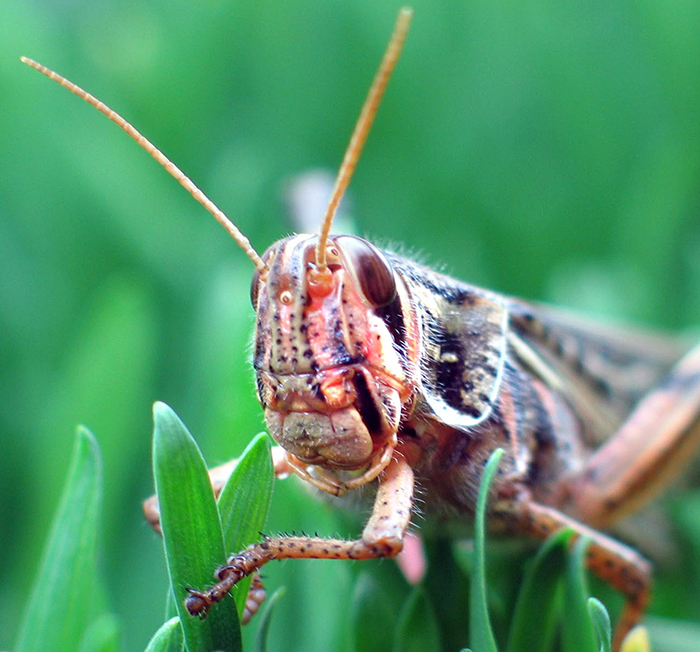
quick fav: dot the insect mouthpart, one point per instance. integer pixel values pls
(339, 440)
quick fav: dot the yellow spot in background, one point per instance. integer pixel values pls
(636, 641)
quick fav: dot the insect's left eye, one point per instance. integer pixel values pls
(369, 268)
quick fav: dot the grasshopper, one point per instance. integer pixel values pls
(372, 368)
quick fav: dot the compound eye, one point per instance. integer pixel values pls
(369, 269)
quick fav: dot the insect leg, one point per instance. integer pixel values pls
(615, 563)
(382, 537)
(650, 449)
(218, 476)
(256, 596)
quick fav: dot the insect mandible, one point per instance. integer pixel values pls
(372, 368)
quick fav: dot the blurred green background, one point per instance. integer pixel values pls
(544, 149)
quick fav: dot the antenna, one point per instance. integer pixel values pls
(359, 135)
(169, 166)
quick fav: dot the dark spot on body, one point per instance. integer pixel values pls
(602, 387)
(393, 317)
(470, 410)
(449, 374)
(366, 405)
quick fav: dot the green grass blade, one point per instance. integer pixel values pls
(168, 638)
(532, 628)
(170, 606)
(369, 615)
(103, 635)
(265, 619)
(65, 597)
(577, 629)
(194, 545)
(601, 623)
(417, 629)
(244, 503)
(481, 634)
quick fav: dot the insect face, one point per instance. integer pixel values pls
(330, 372)
(370, 366)
(329, 377)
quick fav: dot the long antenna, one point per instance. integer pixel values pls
(169, 166)
(364, 123)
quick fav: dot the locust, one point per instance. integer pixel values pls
(374, 370)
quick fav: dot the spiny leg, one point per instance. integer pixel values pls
(654, 444)
(615, 563)
(255, 598)
(382, 537)
(218, 476)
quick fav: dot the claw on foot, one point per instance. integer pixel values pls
(197, 603)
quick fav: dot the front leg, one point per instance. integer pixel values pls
(383, 536)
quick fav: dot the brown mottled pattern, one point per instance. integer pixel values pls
(287, 340)
(602, 371)
(463, 341)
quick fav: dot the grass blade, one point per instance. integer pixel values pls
(417, 629)
(601, 623)
(577, 629)
(168, 638)
(532, 628)
(66, 596)
(265, 618)
(194, 544)
(244, 503)
(103, 635)
(369, 614)
(480, 631)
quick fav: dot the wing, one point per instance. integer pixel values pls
(469, 333)
(601, 370)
